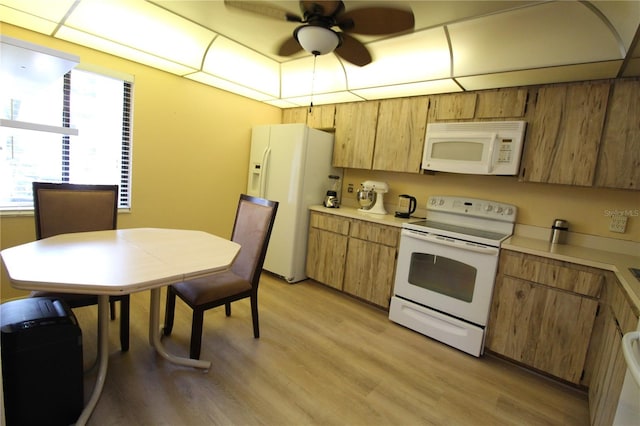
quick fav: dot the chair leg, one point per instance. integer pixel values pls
(227, 309)
(169, 312)
(254, 315)
(112, 309)
(124, 323)
(196, 334)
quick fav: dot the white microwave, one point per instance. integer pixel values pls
(482, 148)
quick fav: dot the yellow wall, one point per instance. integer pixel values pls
(538, 204)
(190, 150)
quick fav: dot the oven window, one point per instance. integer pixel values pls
(442, 275)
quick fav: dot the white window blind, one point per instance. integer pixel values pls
(98, 106)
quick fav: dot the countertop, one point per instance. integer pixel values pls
(616, 262)
(354, 213)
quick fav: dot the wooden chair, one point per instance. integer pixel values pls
(62, 208)
(252, 230)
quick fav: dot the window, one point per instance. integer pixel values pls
(38, 141)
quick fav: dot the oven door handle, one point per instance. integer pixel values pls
(463, 245)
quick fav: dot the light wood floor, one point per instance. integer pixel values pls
(323, 359)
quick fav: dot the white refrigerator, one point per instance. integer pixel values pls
(291, 164)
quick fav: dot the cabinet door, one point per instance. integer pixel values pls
(564, 134)
(322, 117)
(619, 161)
(400, 134)
(541, 327)
(325, 257)
(456, 106)
(501, 103)
(355, 134)
(370, 270)
(608, 377)
(294, 115)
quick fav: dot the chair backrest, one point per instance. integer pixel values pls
(62, 208)
(252, 230)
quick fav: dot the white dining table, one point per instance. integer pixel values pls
(119, 262)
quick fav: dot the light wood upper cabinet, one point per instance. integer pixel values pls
(502, 103)
(619, 159)
(456, 106)
(564, 134)
(319, 117)
(400, 134)
(294, 115)
(508, 103)
(355, 134)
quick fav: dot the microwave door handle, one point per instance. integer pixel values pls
(440, 240)
(492, 148)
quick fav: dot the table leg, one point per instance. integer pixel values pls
(103, 359)
(155, 332)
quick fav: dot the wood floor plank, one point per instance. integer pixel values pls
(323, 358)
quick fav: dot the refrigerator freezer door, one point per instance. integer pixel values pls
(258, 160)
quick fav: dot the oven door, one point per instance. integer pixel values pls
(452, 276)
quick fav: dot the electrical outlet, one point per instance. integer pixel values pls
(618, 224)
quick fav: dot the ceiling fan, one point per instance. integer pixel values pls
(319, 17)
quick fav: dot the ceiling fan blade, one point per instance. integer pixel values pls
(321, 7)
(353, 51)
(289, 47)
(376, 20)
(263, 9)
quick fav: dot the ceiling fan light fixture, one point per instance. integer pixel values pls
(317, 40)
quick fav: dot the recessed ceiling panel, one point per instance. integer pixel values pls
(300, 79)
(325, 98)
(414, 57)
(144, 26)
(410, 89)
(233, 62)
(561, 74)
(104, 45)
(552, 34)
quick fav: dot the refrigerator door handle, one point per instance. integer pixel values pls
(266, 155)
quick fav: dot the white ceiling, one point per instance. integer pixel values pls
(455, 46)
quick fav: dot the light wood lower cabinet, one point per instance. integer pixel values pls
(616, 318)
(327, 249)
(543, 312)
(355, 256)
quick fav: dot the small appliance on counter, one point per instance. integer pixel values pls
(406, 206)
(331, 200)
(370, 197)
(559, 231)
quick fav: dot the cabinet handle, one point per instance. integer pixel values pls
(633, 363)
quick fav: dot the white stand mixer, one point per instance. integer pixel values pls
(378, 188)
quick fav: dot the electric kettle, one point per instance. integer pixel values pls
(406, 206)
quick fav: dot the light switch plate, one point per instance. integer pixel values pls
(618, 224)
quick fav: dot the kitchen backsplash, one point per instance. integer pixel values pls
(588, 210)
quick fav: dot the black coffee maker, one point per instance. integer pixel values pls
(331, 199)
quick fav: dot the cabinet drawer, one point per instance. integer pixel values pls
(329, 223)
(566, 276)
(381, 234)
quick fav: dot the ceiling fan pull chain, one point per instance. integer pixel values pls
(313, 82)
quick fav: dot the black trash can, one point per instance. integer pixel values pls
(41, 362)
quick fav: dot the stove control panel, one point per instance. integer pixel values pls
(472, 207)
